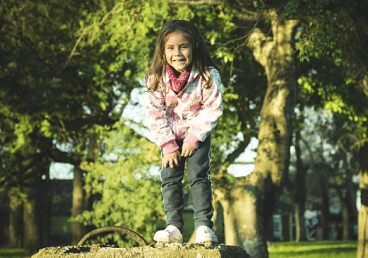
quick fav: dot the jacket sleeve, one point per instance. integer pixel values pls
(158, 122)
(211, 110)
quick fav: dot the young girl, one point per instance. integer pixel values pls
(183, 105)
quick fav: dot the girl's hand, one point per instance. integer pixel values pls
(187, 150)
(171, 159)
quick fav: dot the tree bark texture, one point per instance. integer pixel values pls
(348, 204)
(249, 204)
(299, 195)
(219, 222)
(345, 219)
(323, 182)
(45, 199)
(363, 212)
(78, 229)
(15, 220)
(299, 222)
(82, 191)
(32, 236)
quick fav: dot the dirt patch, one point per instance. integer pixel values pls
(160, 250)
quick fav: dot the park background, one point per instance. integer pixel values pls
(289, 156)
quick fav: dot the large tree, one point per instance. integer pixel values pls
(259, 191)
(50, 98)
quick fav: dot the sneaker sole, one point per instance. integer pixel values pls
(170, 239)
(214, 240)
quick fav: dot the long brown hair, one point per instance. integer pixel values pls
(201, 58)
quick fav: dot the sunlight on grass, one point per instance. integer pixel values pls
(321, 249)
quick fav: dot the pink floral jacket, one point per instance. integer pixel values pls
(190, 118)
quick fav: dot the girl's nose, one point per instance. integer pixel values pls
(177, 52)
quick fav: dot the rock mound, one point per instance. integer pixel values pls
(160, 250)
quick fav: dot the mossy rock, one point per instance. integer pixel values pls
(160, 250)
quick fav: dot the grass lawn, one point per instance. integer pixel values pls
(13, 253)
(320, 249)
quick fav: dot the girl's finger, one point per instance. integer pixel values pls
(166, 163)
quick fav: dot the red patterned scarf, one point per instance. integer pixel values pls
(177, 80)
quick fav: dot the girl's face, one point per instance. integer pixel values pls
(178, 51)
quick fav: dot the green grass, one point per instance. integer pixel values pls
(13, 253)
(319, 249)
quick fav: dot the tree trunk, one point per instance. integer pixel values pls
(45, 197)
(345, 219)
(363, 213)
(324, 205)
(78, 229)
(299, 222)
(249, 204)
(219, 222)
(82, 190)
(243, 223)
(15, 219)
(298, 198)
(299, 195)
(364, 84)
(346, 195)
(32, 236)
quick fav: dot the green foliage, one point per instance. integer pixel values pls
(315, 9)
(322, 42)
(127, 193)
(66, 68)
(129, 28)
(327, 85)
(326, 80)
(318, 41)
(218, 27)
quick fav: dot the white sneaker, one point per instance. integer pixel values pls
(170, 233)
(205, 233)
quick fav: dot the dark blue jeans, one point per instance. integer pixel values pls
(198, 173)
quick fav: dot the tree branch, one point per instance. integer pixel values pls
(306, 143)
(236, 153)
(257, 42)
(65, 157)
